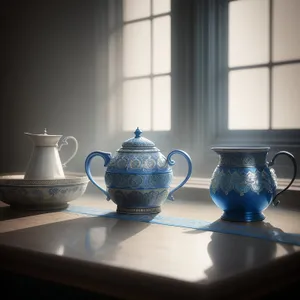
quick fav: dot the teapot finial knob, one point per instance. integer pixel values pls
(138, 133)
(45, 130)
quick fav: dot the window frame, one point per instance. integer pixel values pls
(208, 70)
(151, 76)
(199, 90)
(276, 137)
(113, 130)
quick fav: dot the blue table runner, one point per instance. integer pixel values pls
(261, 230)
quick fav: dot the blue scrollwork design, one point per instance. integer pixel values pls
(138, 181)
(138, 163)
(242, 181)
(243, 159)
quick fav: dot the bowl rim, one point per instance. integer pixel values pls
(16, 179)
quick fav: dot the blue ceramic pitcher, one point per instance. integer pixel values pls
(139, 176)
(243, 185)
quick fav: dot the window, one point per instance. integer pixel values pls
(233, 78)
(146, 57)
(211, 81)
(264, 65)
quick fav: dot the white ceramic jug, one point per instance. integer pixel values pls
(45, 161)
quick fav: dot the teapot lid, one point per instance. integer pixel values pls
(138, 143)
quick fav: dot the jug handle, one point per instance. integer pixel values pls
(171, 162)
(106, 157)
(271, 163)
(63, 143)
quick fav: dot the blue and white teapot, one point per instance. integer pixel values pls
(139, 176)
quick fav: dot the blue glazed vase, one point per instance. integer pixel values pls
(139, 176)
(243, 184)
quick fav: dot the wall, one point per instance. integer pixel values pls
(53, 73)
(50, 53)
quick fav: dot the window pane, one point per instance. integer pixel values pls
(286, 37)
(161, 45)
(137, 104)
(161, 6)
(286, 93)
(249, 99)
(135, 9)
(137, 55)
(248, 32)
(162, 103)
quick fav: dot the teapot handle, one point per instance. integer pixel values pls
(292, 158)
(106, 157)
(171, 162)
(63, 143)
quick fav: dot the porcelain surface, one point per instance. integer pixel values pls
(45, 161)
(243, 184)
(138, 176)
(43, 194)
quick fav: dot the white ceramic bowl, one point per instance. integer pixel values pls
(41, 194)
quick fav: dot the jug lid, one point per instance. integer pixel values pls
(138, 143)
(44, 139)
(44, 134)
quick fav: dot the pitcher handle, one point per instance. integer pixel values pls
(106, 157)
(171, 162)
(292, 158)
(63, 143)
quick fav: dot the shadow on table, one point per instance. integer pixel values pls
(96, 238)
(105, 241)
(7, 213)
(236, 247)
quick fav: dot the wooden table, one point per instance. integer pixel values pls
(136, 260)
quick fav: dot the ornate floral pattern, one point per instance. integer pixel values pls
(243, 180)
(138, 175)
(138, 181)
(40, 196)
(138, 163)
(243, 159)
